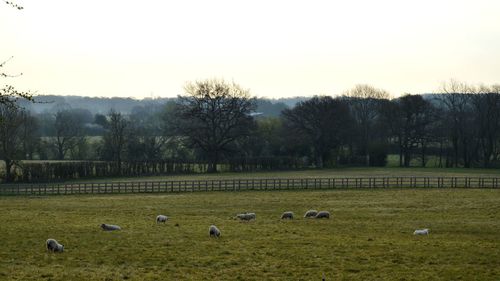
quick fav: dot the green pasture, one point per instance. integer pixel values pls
(316, 173)
(369, 236)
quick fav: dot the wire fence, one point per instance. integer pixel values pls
(176, 186)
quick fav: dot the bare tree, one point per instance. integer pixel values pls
(418, 117)
(323, 120)
(8, 94)
(68, 133)
(365, 104)
(486, 111)
(148, 140)
(212, 115)
(14, 5)
(456, 99)
(30, 137)
(11, 121)
(115, 139)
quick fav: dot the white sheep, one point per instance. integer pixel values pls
(213, 231)
(161, 218)
(287, 215)
(110, 227)
(54, 246)
(322, 215)
(424, 231)
(310, 214)
(246, 216)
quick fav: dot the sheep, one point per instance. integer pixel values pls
(161, 218)
(322, 215)
(110, 227)
(310, 214)
(424, 231)
(54, 246)
(287, 215)
(213, 231)
(246, 216)
(252, 216)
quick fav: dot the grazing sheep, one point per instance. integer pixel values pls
(310, 214)
(322, 215)
(424, 231)
(287, 215)
(213, 231)
(110, 227)
(161, 218)
(246, 217)
(54, 246)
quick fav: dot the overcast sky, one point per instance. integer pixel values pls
(274, 48)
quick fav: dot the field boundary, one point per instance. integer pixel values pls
(176, 186)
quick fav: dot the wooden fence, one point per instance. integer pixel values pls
(174, 186)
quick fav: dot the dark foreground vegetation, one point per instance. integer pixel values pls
(217, 125)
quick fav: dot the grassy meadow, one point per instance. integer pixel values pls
(313, 173)
(369, 236)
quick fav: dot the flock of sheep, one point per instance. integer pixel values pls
(213, 231)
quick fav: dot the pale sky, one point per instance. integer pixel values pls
(274, 48)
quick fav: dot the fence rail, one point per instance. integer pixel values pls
(172, 186)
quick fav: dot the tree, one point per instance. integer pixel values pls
(148, 140)
(8, 94)
(212, 115)
(365, 102)
(68, 132)
(13, 4)
(115, 138)
(323, 120)
(456, 100)
(30, 136)
(486, 110)
(418, 117)
(11, 120)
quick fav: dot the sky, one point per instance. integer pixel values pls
(274, 48)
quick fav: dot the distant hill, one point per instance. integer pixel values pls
(95, 105)
(102, 105)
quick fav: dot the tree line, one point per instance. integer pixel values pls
(217, 123)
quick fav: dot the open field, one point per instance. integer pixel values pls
(316, 173)
(368, 238)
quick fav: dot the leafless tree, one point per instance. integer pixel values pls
(115, 139)
(486, 111)
(11, 120)
(456, 99)
(68, 133)
(365, 104)
(14, 4)
(30, 137)
(322, 120)
(212, 115)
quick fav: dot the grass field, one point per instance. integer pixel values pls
(317, 173)
(368, 238)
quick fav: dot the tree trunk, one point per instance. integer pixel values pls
(212, 162)
(8, 167)
(440, 165)
(465, 154)
(400, 152)
(319, 159)
(60, 153)
(455, 151)
(407, 157)
(423, 153)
